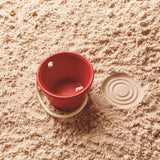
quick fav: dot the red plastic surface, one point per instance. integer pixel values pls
(69, 71)
(66, 87)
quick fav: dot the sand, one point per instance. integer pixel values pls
(117, 38)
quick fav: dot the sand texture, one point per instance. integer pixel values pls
(117, 37)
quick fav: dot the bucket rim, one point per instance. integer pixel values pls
(83, 91)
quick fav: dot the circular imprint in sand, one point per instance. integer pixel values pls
(121, 90)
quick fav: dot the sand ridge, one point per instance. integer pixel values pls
(116, 37)
(122, 91)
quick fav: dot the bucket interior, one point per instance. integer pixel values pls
(68, 72)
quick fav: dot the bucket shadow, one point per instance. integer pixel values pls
(85, 121)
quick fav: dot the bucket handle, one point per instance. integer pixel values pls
(79, 109)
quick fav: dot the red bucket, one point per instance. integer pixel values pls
(65, 78)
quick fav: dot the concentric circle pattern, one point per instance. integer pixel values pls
(121, 90)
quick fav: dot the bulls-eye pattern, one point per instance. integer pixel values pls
(121, 90)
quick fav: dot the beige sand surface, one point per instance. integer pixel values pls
(117, 37)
